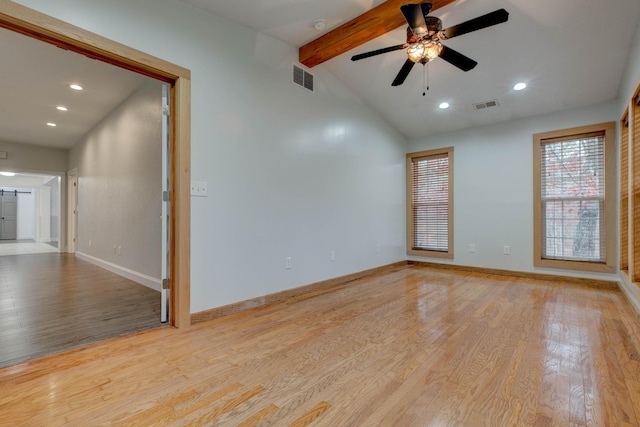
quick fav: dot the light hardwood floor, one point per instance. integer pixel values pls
(53, 302)
(415, 346)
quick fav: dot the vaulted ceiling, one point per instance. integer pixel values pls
(571, 53)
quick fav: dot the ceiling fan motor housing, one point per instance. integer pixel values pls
(433, 23)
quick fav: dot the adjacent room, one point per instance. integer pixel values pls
(81, 211)
(374, 213)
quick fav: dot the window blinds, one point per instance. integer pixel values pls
(573, 198)
(430, 203)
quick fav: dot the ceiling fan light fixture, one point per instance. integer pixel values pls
(75, 86)
(519, 86)
(424, 51)
(444, 105)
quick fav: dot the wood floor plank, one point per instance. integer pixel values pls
(56, 302)
(311, 416)
(415, 346)
(256, 418)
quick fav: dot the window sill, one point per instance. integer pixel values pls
(430, 254)
(599, 267)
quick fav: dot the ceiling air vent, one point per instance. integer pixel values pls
(302, 78)
(485, 105)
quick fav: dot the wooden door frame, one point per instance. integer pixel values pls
(37, 25)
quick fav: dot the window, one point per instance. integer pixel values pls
(574, 198)
(430, 203)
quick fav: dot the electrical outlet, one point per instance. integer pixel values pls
(332, 256)
(472, 248)
(507, 250)
(198, 188)
(288, 263)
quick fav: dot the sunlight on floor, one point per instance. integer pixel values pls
(25, 248)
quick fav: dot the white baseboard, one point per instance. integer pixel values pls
(627, 288)
(143, 279)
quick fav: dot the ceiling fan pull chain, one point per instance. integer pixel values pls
(427, 75)
(425, 85)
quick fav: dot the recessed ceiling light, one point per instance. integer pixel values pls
(75, 87)
(8, 173)
(61, 108)
(519, 86)
(52, 124)
(444, 105)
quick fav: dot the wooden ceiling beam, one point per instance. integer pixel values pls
(374, 23)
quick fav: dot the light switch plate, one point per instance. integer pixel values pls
(199, 188)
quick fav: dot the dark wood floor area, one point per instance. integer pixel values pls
(412, 347)
(53, 302)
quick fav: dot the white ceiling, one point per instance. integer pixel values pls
(571, 53)
(36, 78)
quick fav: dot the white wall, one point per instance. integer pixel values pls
(26, 214)
(119, 184)
(289, 173)
(493, 187)
(31, 158)
(631, 78)
(44, 214)
(54, 209)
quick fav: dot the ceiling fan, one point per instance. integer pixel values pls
(424, 34)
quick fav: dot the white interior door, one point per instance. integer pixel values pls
(8, 215)
(166, 139)
(72, 211)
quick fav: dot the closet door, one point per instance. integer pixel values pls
(8, 216)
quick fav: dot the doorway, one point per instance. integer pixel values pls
(58, 302)
(38, 212)
(26, 21)
(45, 29)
